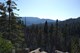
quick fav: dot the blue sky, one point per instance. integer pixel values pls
(49, 9)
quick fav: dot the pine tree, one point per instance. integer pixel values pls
(46, 27)
(11, 29)
(56, 34)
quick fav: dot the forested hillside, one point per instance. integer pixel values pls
(62, 35)
(49, 36)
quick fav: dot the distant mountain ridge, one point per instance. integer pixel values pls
(71, 20)
(35, 20)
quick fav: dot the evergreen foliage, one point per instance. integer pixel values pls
(10, 27)
(61, 35)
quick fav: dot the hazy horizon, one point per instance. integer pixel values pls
(49, 9)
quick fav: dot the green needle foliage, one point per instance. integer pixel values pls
(10, 27)
(5, 45)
